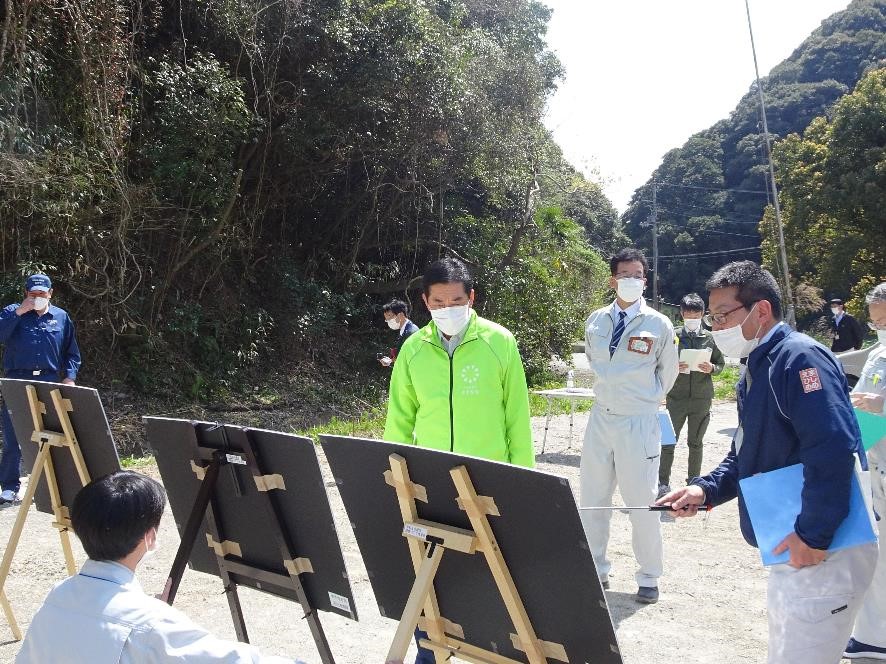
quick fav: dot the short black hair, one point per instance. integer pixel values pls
(111, 515)
(692, 302)
(627, 255)
(396, 307)
(752, 282)
(447, 271)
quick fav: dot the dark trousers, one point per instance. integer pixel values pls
(11, 461)
(698, 413)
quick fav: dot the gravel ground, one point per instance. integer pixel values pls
(712, 606)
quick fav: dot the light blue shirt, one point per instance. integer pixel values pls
(102, 616)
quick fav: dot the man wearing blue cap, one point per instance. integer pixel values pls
(39, 344)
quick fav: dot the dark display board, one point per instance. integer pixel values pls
(538, 531)
(90, 427)
(241, 513)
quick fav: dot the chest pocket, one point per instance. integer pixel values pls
(640, 340)
(601, 334)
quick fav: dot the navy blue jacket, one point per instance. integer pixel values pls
(34, 342)
(797, 410)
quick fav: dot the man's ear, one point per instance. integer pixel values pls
(425, 300)
(764, 311)
(471, 298)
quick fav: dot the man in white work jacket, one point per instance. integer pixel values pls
(632, 354)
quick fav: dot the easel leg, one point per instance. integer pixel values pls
(424, 582)
(544, 440)
(16, 534)
(236, 610)
(60, 518)
(571, 421)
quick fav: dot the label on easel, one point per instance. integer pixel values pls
(235, 458)
(339, 602)
(412, 530)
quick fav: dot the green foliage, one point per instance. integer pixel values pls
(833, 188)
(725, 382)
(712, 190)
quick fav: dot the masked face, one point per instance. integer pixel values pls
(692, 324)
(451, 320)
(835, 310)
(732, 342)
(393, 323)
(630, 289)
(150, 550)
(40, 303)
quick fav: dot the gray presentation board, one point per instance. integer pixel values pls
(240, 511)
(539, 533)
(90, 426)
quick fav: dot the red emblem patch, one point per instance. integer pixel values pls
(811, 381)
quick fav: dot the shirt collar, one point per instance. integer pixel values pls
(769, 334)
(108, 570)
(838, 317)
(631, 311)
(405, 325)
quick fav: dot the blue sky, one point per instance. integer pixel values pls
(644, 75)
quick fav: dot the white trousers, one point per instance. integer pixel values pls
(811, 610)
(623, 449)
(870, 626)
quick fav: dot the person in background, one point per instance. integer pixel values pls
(396, 313)
(459, 384)
(102, 614)
(796, 410)
(38, 344)
(848, 333)
(869, 395)
(633, 356)
(690, 398)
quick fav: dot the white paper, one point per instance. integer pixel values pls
(693, 357)
(412, 530)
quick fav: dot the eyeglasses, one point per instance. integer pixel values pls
(719, 319)
(877, 326)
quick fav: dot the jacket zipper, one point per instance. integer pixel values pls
(451, 413)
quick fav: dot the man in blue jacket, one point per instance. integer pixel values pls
(38, 344)
(796, 409)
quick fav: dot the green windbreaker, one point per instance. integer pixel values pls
(475, 403)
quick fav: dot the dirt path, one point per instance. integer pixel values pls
(712, 607)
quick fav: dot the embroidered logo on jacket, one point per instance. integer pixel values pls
(470, 374)
(811, 381)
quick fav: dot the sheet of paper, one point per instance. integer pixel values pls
(667, 428)
(873, 427)
(773, 501)
(695, 356)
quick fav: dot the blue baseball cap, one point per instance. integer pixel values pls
(38, 282)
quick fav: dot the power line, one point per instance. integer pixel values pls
(761, 192)
(689, 215)
(711, 253)
(709, 230)
(698, 207)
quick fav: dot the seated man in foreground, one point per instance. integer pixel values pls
(102, 614)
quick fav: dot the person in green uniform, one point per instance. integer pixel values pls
(690, 398)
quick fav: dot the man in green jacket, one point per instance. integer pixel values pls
(692, 394)
(458, 383)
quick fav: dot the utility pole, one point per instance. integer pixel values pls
(790, 317)
(655, 246)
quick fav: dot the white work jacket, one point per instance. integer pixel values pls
(641, 372)
(102, 616)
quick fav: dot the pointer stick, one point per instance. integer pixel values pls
(652, 508)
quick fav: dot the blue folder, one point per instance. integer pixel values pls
(668, 437)
(873, 427)
(773, 502)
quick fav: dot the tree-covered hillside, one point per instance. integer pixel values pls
(220, 182)
(712, 191)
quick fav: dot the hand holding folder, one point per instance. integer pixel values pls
(773, 501)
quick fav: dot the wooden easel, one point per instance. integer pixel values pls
(228, 552)
(43, 464)
(427, 541)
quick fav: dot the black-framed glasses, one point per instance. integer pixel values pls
(877, 327)
(719, 319)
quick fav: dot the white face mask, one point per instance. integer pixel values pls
(692, 324)
(451, 320)
(150, 551)
(40, 303)
(835, 311)
(881, 337)
(630, 289)
(393, 323)
(731, 341)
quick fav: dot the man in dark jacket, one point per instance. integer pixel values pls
(690, 398)
(848, 334)
(396, 313)
(796, 411)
